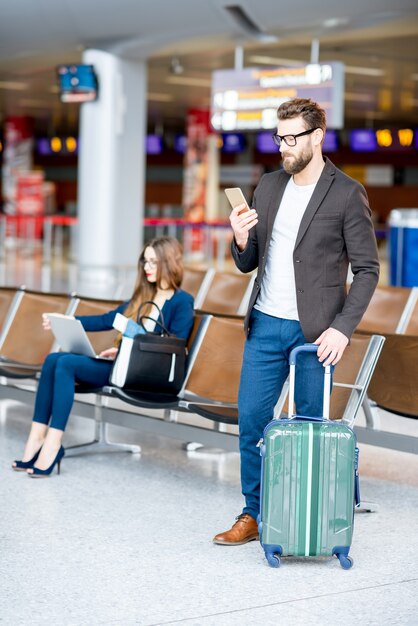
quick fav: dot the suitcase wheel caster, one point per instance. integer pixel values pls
(346, 562)
(273, 560)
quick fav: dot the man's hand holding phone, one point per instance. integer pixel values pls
(242, 218)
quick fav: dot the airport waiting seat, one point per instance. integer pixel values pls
(393, 311)
(385, 311)
(7, 295)
(100, 396)
(23, 342)
(197, 282)
(353, 375)
(228, 294)
(411, 322)
(394, 385)
(211, 389)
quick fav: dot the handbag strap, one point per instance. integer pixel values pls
(161, 323)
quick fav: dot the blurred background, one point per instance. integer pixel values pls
(160, 74)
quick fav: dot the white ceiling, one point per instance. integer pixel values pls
(377, 40)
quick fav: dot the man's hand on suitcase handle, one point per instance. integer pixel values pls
(331, 346)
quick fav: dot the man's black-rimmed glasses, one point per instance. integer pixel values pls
(290, 140)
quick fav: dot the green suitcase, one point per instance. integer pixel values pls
(309, 483)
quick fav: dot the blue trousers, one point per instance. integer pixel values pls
(264, 371)
(60, 372)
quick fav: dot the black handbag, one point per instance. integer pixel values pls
(150, 361)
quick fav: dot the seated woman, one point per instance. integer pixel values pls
(160, 272)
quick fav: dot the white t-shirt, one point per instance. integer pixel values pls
(278, 290)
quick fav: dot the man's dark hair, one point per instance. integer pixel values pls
(312, 114)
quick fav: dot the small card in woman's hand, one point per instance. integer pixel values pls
(126, 326)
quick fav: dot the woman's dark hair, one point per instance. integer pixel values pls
(312, 114)
(169, 255)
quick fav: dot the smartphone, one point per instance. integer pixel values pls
(236, 197)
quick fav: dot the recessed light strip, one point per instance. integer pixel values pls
(363, 71)
(349, 69)
(358, 97)
(189, 80)
(13, 85)
(265, 60)
(159, 97)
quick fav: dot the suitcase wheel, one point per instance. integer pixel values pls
(273, 559)
(346, 562)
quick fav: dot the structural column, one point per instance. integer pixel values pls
(111, 170)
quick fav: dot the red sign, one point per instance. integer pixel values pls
(29, 193)
(30, 203)
(195, 172)
(17, 129)
(195, 165)
(17, 157)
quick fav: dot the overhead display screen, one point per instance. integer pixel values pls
(248, 99)
(330, 141)
(264, 143)
(233, 142)
(77, 83)
(383, 139)
(363, 140)
(154, 144)
(180, 143)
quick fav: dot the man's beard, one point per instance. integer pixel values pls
(297, 164)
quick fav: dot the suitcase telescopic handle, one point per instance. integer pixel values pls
(308, 347)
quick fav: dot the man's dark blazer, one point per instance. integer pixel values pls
(336, 229)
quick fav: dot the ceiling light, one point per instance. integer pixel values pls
(363, 71)
(374, 114)
(335, 22)
(358, 97)
(189, 80)
(176, 67)
(56, 144)
(349, 69)
(264, 60)
(13, 85)
(37, 104)
(159, 97)
(71, 144)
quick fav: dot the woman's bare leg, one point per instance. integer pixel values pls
(35, 440)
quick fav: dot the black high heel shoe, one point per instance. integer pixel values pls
(21, 466)
(39, 473)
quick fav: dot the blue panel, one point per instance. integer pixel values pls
(403, 252)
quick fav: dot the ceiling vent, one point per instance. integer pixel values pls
(247, 24)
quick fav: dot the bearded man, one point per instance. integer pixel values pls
(307, 223)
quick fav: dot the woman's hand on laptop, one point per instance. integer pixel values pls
(46, 324)
(110, 353)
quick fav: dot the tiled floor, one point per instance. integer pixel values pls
(126, 539)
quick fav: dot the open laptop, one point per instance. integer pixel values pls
(71, 335)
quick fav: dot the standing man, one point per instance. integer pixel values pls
(307, 223)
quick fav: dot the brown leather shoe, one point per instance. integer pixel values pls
(245, 529)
